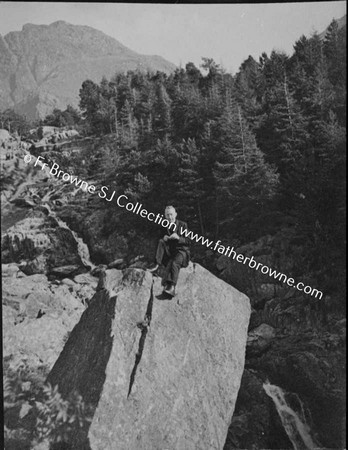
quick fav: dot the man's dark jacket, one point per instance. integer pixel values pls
(178, 246)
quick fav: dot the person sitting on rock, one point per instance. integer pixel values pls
(173, 251)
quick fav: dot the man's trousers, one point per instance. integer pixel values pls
(173, 263)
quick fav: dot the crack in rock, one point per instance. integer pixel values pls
(144, 326)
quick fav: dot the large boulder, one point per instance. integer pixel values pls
(260, 339)
(157, 373)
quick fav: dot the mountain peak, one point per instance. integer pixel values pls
(28, 26)
(56, 24)
(43, 66)
(59, 23)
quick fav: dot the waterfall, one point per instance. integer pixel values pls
(82, 248)
(293, 421)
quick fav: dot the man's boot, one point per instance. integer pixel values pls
(153, 268)
(170, 289)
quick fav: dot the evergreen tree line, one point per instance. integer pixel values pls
(240, 156)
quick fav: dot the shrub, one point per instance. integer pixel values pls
(35, 412)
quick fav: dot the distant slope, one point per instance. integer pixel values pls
(342, 22)
(43, 66)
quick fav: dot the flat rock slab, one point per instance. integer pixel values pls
(161, 374)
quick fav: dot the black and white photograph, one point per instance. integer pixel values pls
(173, 225)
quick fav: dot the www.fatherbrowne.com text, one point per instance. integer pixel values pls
(230, 252)
(160, 220)
(216, 246)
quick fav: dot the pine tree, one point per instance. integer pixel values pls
(282, 133)
(248, 90)
(335, 53)
(161, 171)
(162, 109)
(90, 101)
(244, 181)
(129, 126)
(189, 184)
(188, 114)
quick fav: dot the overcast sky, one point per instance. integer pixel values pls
(182, 33)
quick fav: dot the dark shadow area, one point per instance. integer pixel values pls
(82, 364)
(255, 419)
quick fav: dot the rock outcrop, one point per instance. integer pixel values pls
(158, 373)
(42, 245)
(38, 315)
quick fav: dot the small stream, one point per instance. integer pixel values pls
(294, 422)
(82, 247)
(11, 213)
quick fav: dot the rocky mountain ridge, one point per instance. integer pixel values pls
(42, 67)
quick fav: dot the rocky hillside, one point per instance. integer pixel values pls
(151, 373)
(50, 287)
(43, 66)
